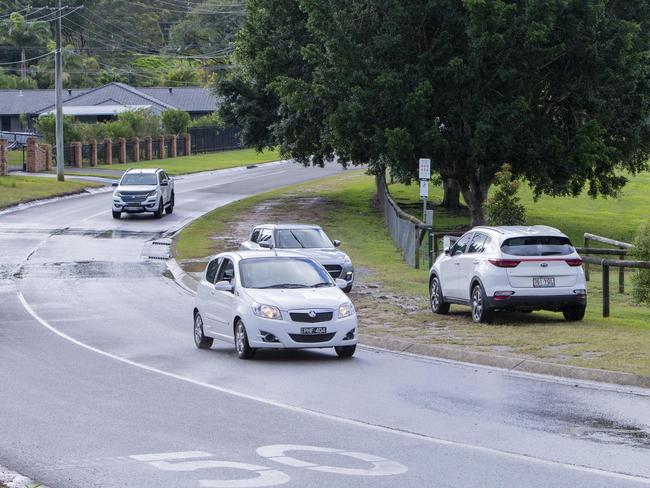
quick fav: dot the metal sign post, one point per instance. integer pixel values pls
(424, 177)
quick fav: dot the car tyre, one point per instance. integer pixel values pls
(161, 210)
(574, 313)
(345, 351)
(170, 208)
(481, 314)
(243, 348)
(117, 215)
(201, 341)
(438, 305)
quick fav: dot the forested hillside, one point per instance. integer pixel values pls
(143, 43)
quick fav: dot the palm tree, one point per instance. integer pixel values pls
(24, 34)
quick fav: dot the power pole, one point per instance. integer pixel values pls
(58, 96)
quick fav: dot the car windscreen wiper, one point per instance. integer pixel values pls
(284, 285)
(321, 285)
(297, 240)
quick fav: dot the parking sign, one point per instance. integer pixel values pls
(425, 169)
(424, 188)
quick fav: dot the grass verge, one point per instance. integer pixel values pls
(22, 189)
(391, 297)
(202, 162)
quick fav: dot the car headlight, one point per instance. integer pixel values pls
(267, 311)
(347, 260)
(117, 194)
(152, 193)
(346, 309)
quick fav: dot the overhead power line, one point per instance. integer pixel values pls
(30, 59)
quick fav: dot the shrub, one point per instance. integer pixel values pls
(503, 207)
(46, 127)
(175, 121)
(641, 252)
(142, 122)
(210, 120)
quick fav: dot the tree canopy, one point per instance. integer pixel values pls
(558, 89)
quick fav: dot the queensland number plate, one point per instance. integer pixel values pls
(543, 282)
(313, 330)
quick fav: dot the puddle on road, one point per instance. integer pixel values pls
(608, 431)
(91, 270)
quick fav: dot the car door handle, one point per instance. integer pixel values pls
(476, 262)
(457, 263)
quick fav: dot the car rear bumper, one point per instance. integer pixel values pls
(537, 302)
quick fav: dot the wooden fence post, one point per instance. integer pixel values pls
(605, 289)
(586, 265)
(621, 276)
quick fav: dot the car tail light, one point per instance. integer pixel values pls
(574, 262)
(505, 263)
(503, 295)
(580, 292)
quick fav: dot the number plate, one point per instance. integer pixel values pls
(543, 282)
(313, 330)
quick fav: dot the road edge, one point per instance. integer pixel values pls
(512, 364)
(11, 479)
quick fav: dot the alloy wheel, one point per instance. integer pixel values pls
(435, 298)
(240, 338)
(477, 304)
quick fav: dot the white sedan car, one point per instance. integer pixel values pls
(263, 301)
(510, 268)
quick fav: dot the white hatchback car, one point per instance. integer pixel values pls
(264, 301)
(510, 268)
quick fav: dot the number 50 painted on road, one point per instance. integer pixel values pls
(190, 461)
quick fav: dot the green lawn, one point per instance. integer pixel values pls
(618, 218)
(391, 297)
(21, 189)
(203, 162)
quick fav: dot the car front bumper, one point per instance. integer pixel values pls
(537, 302)
(280, 334)
(149, 205)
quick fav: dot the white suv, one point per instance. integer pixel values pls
(143, 190)
(509, 268)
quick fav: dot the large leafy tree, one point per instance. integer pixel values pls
(24, 35)
(559, 89)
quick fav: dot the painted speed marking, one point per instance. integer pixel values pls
(380, 466)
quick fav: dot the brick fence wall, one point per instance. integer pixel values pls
(39, 156)
(4, 164)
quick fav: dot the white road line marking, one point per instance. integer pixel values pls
(357, 423)
(168, 456)
(380, 466)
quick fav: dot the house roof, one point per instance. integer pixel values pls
(16, 102)
(190, 99)
(81, 110)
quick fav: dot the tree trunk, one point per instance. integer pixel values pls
(23, 65)
(451, 199)
(475, 195)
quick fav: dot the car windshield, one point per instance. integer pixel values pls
(132, 179)
(301, 239)
(538, 246)
(278, 272)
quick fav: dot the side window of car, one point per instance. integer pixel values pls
(227, 271)
(255, 235)
(211, 271)
(478, 243)
(265, 235)
(164, 176)
(461, 245)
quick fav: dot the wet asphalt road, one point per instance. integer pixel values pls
(102, 386)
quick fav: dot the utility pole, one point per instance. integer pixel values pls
(58, 61)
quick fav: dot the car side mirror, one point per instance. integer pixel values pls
(447, 251)
(224, 286)
(164, 183)
(336, 242)
(115, 183)
(342, 284)
(264, 244)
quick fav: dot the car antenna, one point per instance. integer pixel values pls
(274, 249)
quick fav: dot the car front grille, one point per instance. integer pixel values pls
(334, 270)
(312, 338)
(134, 196)
(304, 317)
